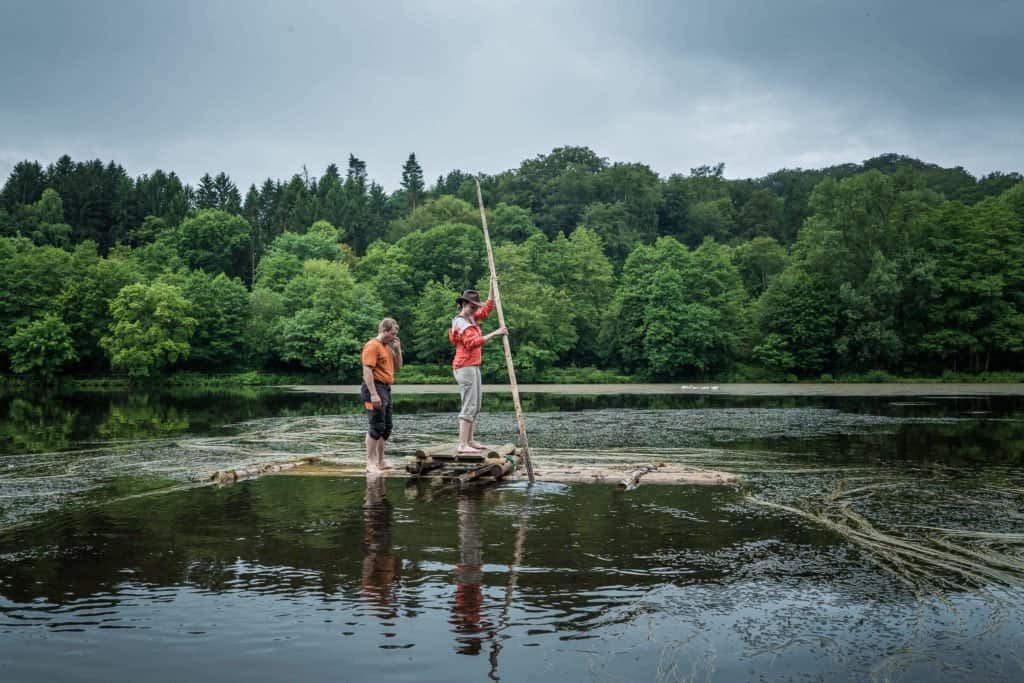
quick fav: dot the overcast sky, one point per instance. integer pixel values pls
(258, 88)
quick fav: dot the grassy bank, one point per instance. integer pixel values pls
(410, 374)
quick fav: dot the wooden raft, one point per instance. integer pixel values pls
(444, 461)
(442, 466)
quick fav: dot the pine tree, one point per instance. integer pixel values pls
(356, 172)
(251, 213)
(266, 226)
(228, 197)
(412, 181)
(178, 199)
(24, 186)
(376, 219)
(328, 181)
(206, 195)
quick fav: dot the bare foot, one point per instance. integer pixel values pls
(468, 449)
(386, 466)
(477, 444)
(372, 469)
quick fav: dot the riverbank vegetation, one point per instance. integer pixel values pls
(888, 268)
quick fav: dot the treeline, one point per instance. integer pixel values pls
(891, 265)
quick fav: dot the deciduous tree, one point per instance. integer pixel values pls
(41, 347)
(216, 241)
(150, 329)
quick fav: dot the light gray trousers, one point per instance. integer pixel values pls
(469, 381)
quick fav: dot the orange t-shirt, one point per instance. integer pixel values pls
(379, 357)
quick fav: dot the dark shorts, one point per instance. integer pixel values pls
(379, 418)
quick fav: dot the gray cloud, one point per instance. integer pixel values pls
(260, 88)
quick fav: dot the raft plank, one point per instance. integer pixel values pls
(421, 467)
(493, 471)
(666, 474)
(449, 452)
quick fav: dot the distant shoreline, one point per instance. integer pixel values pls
(944, 390)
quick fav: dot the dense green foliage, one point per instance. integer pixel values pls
(893, 266)
(151, 328)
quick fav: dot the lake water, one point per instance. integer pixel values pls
(871, 538)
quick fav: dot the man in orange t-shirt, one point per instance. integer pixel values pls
(382, 358)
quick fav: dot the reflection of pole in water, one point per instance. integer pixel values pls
(380, 568)
(513, 579)
(471, 626)
(467, 612)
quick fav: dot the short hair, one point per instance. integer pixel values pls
(388, 324)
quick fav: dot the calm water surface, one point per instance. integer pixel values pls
(871, 539)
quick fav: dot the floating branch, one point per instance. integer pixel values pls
(231, 476)
(633, 480)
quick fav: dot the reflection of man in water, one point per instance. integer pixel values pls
(470, 628)
(380, 568)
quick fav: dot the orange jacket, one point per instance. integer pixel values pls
(468, 338)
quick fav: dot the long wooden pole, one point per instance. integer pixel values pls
(508, 347)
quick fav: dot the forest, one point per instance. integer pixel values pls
(890, 267)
